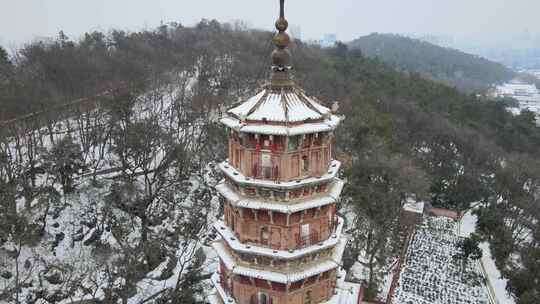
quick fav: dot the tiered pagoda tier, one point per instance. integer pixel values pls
(281, 239)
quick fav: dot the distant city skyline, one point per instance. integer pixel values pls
(487, 23)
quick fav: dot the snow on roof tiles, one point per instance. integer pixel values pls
(307, 128)
(246, 106)
(284, 106)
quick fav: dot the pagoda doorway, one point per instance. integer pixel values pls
(266, 164)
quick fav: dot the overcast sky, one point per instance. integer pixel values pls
(497, 21)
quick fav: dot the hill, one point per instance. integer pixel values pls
(455, 68)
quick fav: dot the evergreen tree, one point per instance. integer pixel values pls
(469, 248)
(64, 161)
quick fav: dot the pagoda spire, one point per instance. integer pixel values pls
(281, 57)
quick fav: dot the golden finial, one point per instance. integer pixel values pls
(281, 57)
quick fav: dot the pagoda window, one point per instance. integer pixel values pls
(265, 235)
(317, 140)
(266, 142)
(293, 143)
(278, 143)
(266, 164)
(317, 163)
(304, 233)
(255, 170)
(304, 164)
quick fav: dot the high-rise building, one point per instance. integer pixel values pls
(328, 40)
(281, 240)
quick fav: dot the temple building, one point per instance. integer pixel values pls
(281, 240)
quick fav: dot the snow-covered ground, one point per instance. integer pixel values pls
(77, 254)
(432, 272)
(497, 282)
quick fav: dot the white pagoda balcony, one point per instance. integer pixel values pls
(287, 207)
(243, 180)
(228, 236)
(280, 275)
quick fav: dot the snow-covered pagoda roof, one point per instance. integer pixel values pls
(286, 105)
(281, 111)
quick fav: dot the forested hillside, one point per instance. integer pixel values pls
(449, 66)
(123, 186)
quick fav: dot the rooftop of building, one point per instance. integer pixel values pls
(285, 105)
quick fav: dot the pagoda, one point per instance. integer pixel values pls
(281, 240)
